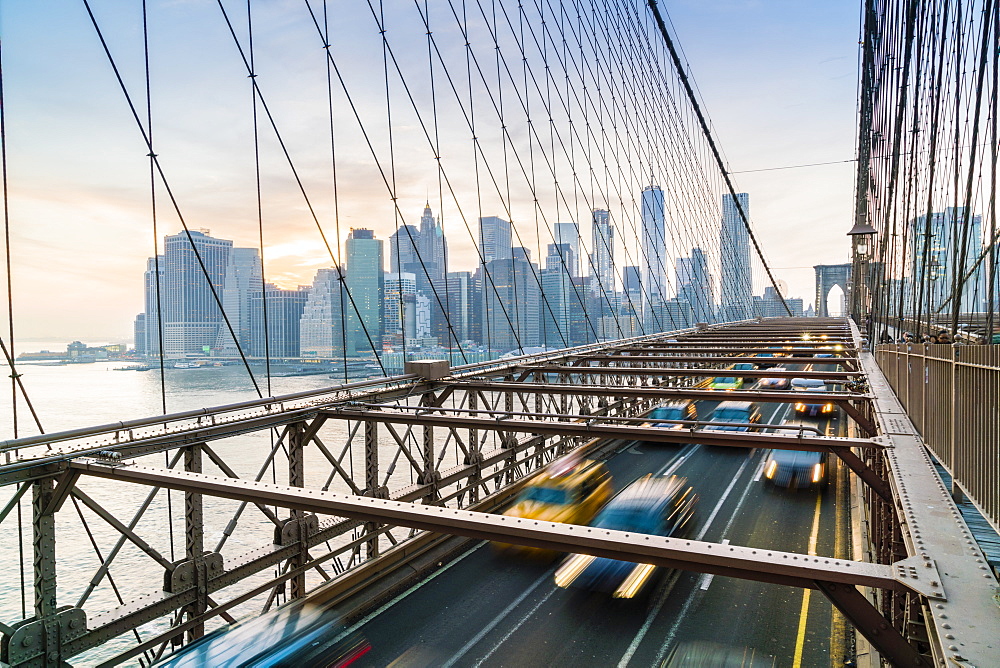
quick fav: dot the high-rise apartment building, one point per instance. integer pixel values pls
(494, 239)
(321, 328)
(736, 282)
(365, 287)
(192, 290)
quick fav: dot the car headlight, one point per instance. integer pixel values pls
(771, 468)
(800, 407)
(571, 569)
(817, 472)
(633, 583)
(827, 408)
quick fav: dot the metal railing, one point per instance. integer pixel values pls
(952, 395)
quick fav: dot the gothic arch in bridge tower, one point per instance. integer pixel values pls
(828, 276)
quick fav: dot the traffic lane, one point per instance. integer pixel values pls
(486, 598)
(590, 628)
(791, 624)
(434, 620)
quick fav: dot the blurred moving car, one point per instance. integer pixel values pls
(812, 409)
(734, 416)
(674, 410)
(298, 634)
(765, 364)
(568, 490)
(744, 366)
(727, 383)
(703, 654)
(795, 469)
(774, 383)
(661, 506)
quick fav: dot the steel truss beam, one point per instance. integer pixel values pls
(830, 376)
(834, 577)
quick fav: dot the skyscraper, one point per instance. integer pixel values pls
(399, 315)
(568, 234)
(153, 302)
(321, 328)
(276, 335)
(736, 282)
(943, 251)
(191, 313)
(510, 302)
(404, 245)
(243, 279)
(494, 239)
(460, 303)
(654, 260)
(431, 281)
(602, 253)
(365, 286)
(694, 285)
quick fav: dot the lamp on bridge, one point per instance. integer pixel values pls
(862, 235)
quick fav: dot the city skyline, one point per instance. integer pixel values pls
(65, 204)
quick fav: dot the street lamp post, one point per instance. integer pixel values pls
(862, 235)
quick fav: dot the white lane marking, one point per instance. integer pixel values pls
(496, 620)
(760, 469)
(646, 625)
(681, 457)
(520, 623)
(725, 495)
(373, 615)
(687, 604)
(706, 582)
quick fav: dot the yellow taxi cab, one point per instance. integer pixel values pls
(569, 490)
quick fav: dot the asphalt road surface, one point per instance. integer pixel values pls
(490, 609)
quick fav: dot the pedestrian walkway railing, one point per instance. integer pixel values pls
(952, 395)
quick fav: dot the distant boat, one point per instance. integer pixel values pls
(186, 365)
(135, 367)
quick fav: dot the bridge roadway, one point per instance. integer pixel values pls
(492, 609)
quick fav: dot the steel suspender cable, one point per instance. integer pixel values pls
(711, 142)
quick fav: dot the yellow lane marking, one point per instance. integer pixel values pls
(800, 638)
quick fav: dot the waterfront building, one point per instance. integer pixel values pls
(275, 316)
(399, 303)
(192, 291)
(321, 327)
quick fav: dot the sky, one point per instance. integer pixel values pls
(777, 79)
